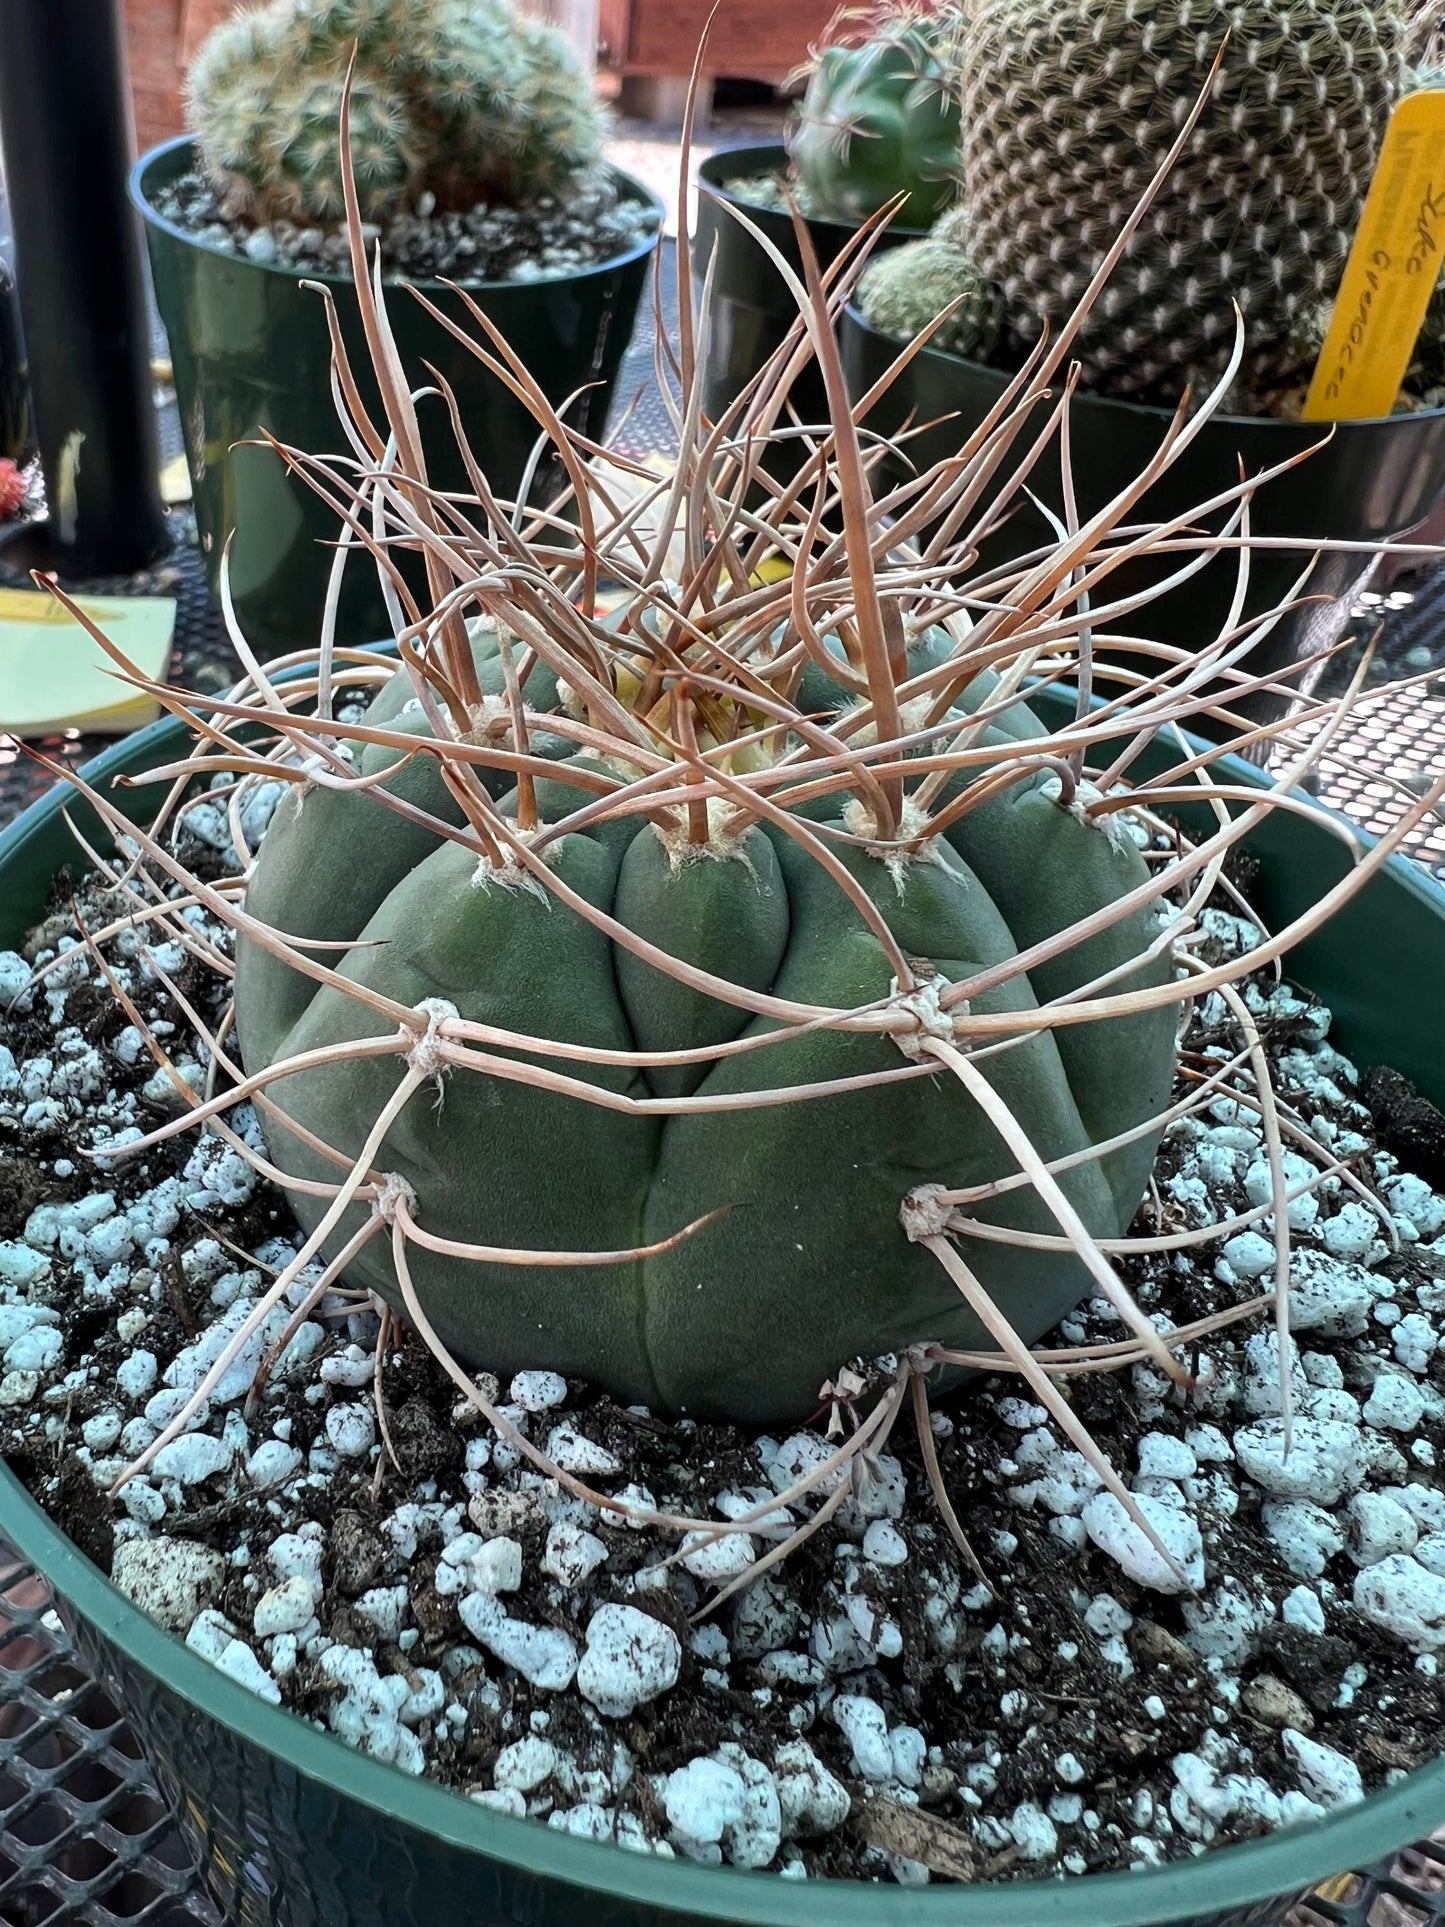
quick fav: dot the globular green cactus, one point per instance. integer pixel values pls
(904, 290)
(1069, 109)
(1072, 105)
(808, 1248)
(880, 117)
(464, 101)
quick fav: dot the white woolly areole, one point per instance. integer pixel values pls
(720, 846)
(1111, 825)
(425, 1054)
(923, 1213)
(392, 1192)
(929, 1017)
(911, 716)
(509, 874)
(913, 822)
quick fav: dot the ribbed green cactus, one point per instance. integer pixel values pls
(1069, 108)
(880, 118)
(819, 1272)
(463, 100)
(1260, 211)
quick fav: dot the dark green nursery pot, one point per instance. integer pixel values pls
(251, 352)
(752, 306)
(298, 1829)
(1368, 481)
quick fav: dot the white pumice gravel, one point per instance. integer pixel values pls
(1097, 1706)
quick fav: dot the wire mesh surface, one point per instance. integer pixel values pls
(86, 1833)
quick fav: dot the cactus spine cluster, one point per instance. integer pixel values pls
(466, 101)
(880, 117)
(1070, 107)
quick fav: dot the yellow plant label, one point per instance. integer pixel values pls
(54, 675)
(1392, 270)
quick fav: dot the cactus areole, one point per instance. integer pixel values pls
(808, 1263)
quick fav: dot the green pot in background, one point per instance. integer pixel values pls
(1370, 481)
(296, 1828)
(752, 307)
(251, 351)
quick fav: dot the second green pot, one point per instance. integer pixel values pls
(752, 307)
(1367, 482)
(251, 352)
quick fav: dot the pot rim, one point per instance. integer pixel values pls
(162, 224)
(1282, 1863)
(718, 192)
(853, 317)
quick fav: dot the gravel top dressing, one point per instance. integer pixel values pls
(595, 224)
(343, 1537)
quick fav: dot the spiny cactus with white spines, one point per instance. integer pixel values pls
(1069, 107)
(462, 100)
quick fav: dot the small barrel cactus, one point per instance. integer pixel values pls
(880, 118)
(1069, 109)
(463, 101)
(821, 1266)
(905, 290)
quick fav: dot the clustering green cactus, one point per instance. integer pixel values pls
(1069, 109)
(464, 101)
(880, 117)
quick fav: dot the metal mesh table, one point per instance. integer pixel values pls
(87, 1835)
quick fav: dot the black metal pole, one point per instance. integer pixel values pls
(65, 135)
(14, 377)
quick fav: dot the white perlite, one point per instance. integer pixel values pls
(1323, 1462)
(285, 1608)
(1324, 1774)
(545, 1657)
(630, 1657)
(1402, 1598)
(171, 1579)
(864, 1725)
(812, 1800)
(1115, 1533)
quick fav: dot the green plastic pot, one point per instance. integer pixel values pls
(251, 352)
(295, 1828)
(752, 306)
(1371, 481)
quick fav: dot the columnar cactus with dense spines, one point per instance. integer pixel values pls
(1069, 108)
(880, 117)
(463, 100)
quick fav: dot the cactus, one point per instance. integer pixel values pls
(728, 988)
(880, 117)
(464, 101)
(828, 1274)
(1069, 108)
(905, 290)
